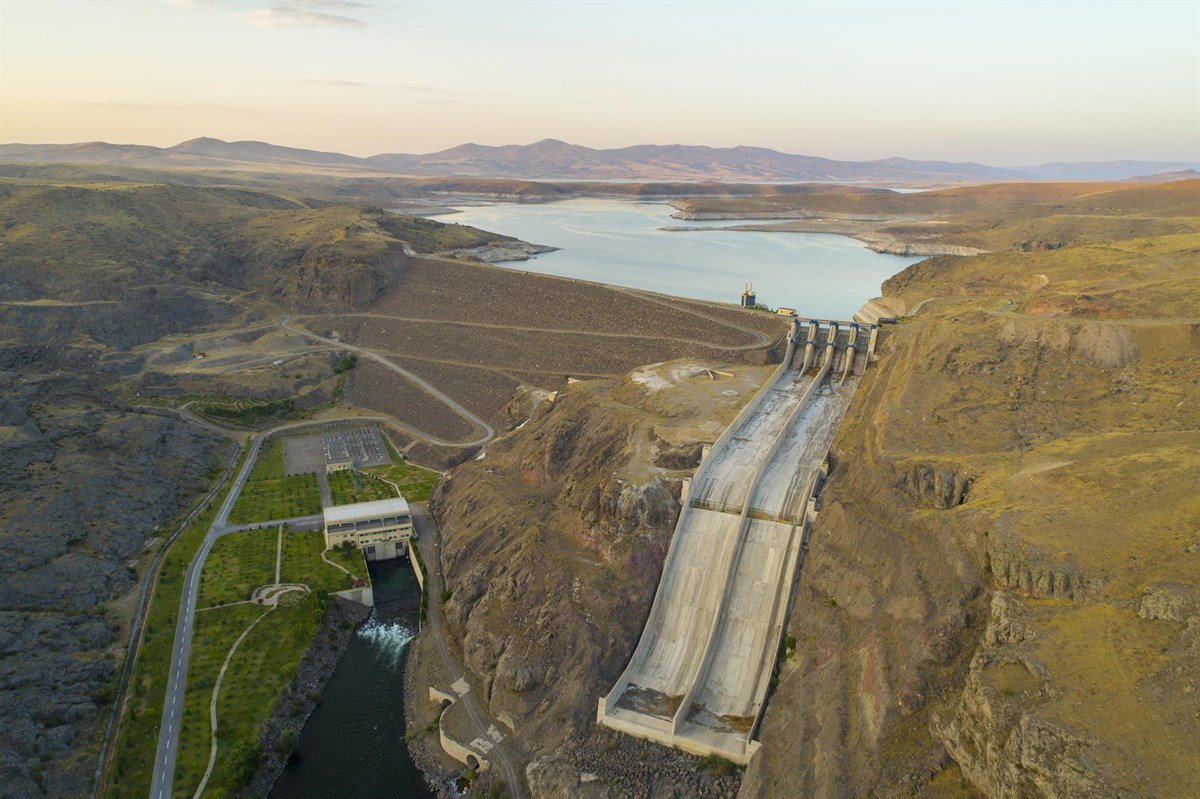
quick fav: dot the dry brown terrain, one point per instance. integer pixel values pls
(552, 546)
(965, 221)
(1000, 594)
(373, 386)
(1005, 568)
(498, 340)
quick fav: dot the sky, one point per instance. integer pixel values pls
(1006, 84)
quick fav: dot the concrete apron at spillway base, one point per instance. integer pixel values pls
(699, 676)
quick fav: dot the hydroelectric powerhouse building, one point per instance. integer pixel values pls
(381, 529)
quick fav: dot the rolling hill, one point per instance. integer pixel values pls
(551, 159)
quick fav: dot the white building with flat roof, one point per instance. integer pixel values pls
(381, 529)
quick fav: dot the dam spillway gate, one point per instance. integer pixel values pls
(698, 679)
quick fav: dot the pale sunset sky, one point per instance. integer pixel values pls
(1000, 83)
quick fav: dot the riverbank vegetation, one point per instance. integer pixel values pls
(265, 660)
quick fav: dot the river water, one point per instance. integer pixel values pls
(353, 745)
(621, 242)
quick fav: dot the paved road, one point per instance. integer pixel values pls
(162, 781)
(429, 542)
(487, 432)
(136, 631)
(759, 339)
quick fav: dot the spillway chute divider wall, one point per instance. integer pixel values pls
(607, 702)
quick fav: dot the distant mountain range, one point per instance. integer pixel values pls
(550, 159)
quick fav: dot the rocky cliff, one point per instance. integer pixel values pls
(553, 597)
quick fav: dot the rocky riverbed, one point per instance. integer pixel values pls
(608, 765)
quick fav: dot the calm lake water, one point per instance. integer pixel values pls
(353, 745)
(620, 242)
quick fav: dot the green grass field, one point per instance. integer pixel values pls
(269, 465)
(416, 483)
(348, 487)
(279, 498)
(350, 559)
(301, 554)
(237, 564)
(214, 634)
(266, 660)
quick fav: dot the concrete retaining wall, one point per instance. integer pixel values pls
(459, 752)
(416, 565)
(440, 696)
(363, 596)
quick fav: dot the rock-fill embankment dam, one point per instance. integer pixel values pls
(698, 678)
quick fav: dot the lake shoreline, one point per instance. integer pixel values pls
(858, 230)
(620, 242)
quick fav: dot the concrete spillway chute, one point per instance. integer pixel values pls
(699, 676)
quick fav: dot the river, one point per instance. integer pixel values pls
(621, 242)
(353, 745)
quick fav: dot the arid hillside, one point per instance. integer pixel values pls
(973, 219)
(498, 340)
(1000, 594)
(552, 547)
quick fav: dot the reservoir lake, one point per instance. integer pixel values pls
(621, 242)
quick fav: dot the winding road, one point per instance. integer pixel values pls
(162, 782)
(759, 339)
(486, 430)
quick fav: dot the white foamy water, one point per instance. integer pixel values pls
(388, 638)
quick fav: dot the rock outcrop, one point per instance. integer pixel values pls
(85, 486)
(552, 557)
(552, 548)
